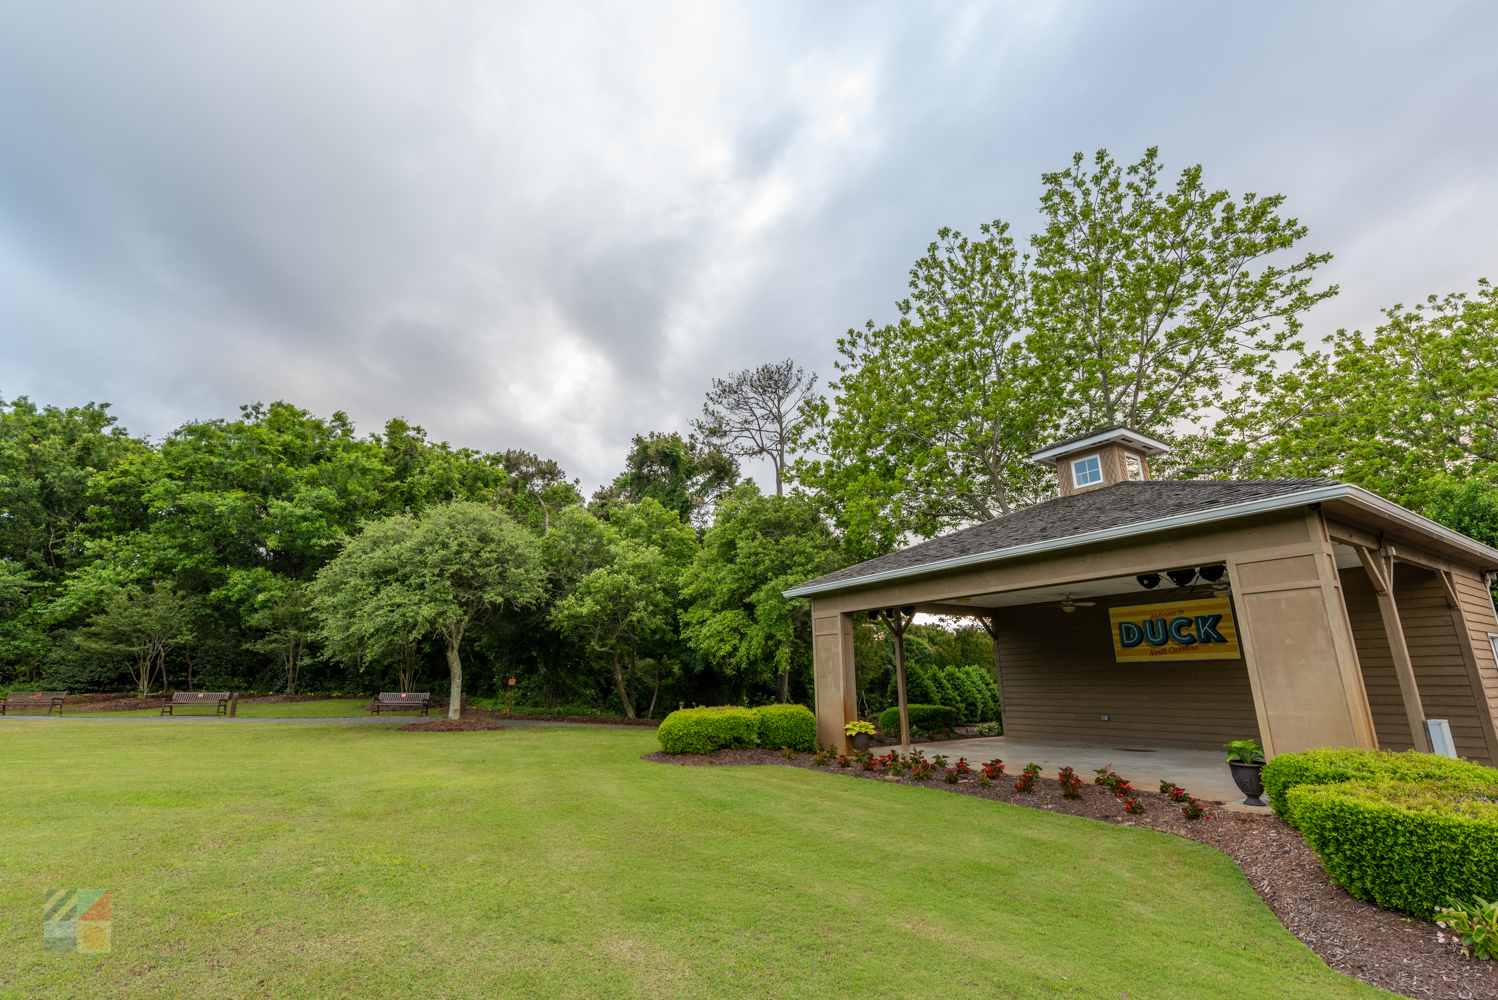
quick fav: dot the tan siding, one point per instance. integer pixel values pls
(1440, 670)
(1060, 677)
(1389, 720)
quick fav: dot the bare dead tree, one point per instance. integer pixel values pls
(754, 413)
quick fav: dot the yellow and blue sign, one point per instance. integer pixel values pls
(1185, 630)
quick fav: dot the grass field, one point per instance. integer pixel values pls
(318, 860)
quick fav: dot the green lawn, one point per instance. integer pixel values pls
(316, 860)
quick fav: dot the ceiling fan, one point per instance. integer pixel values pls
(1068, 605)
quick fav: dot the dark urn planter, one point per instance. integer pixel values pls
(860, 741)
(1249, 781)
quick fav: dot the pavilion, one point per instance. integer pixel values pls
(1187, 613)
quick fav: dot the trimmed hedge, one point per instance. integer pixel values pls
(703, 730)
(927, 717)
(1323, 767)
(1404, 846)
(791, 726)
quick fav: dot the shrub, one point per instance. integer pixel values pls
(703, 730)
(972, 698)
(1404, 846)
(791, 726)
(929, 717)
(1133, 806)
(987, 703)
(1473, 925)
(1071, 785)
(1324, 767)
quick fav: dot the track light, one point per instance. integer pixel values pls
(1149, 581)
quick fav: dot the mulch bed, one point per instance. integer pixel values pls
(450, 726)
(1380, 947)
(596, 720)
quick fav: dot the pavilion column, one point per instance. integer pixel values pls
(998, 670)
(1380, 570)
(836, 682)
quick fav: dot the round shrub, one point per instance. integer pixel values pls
(703, 730)
(1324, 767)
(1405, 846)
(927, 717)
(792, 726)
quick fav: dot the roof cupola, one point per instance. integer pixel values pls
(1100, 458)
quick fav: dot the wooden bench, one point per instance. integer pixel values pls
(17, 700)
(395, 701)
(216, 700)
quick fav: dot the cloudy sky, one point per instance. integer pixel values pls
(549, 225)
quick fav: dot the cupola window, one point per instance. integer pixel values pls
(1134, 467)
(1086, 471)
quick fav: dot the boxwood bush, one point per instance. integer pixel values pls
(1323, 767)
(927, 717)
(703, 730)
(1405, 846)
(791, 726)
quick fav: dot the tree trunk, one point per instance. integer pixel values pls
(629, 709)
(187, 652)
(455, 693)
(656, 694)
(783, 684)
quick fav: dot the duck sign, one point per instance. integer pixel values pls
(1185, 630)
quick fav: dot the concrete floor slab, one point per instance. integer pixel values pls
(1203, 773)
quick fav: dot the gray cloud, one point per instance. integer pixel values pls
(547, 226)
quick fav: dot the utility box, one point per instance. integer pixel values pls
(1439, 731)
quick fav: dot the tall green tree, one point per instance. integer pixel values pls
(1149, 299)
(285, 619)
(617, 581)
(143, 624)
(737, 615)
(681, 474)
(1397, 412)
(933, 415)
(448, 570)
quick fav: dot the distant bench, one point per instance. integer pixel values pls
(17, 700)
(395, 701)
(216, 700)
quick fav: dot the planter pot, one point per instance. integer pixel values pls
(1249, 781)
(860, 741)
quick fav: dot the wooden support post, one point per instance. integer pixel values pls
(1380, 570)
(898, 620)
(998, 674)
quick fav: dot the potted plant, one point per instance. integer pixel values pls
(1246, 758)
(860, 733)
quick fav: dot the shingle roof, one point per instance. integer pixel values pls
(1113, 506)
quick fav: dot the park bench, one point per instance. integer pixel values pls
(216, 700)
(17, 700)
(395, 701)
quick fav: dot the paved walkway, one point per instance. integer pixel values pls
(1203, 773)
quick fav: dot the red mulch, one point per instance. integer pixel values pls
(131, 703)
(450, 726)
(1380, 947)
(596, 720)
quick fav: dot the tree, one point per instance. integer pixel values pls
(737, 615)
(286, 616)
(1466, 505)
(445, 571)
(616, 581)
(1146, 302)
(1397, 413)
(144, 624)
(684, 476)
(935, 414)
(757, 412)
